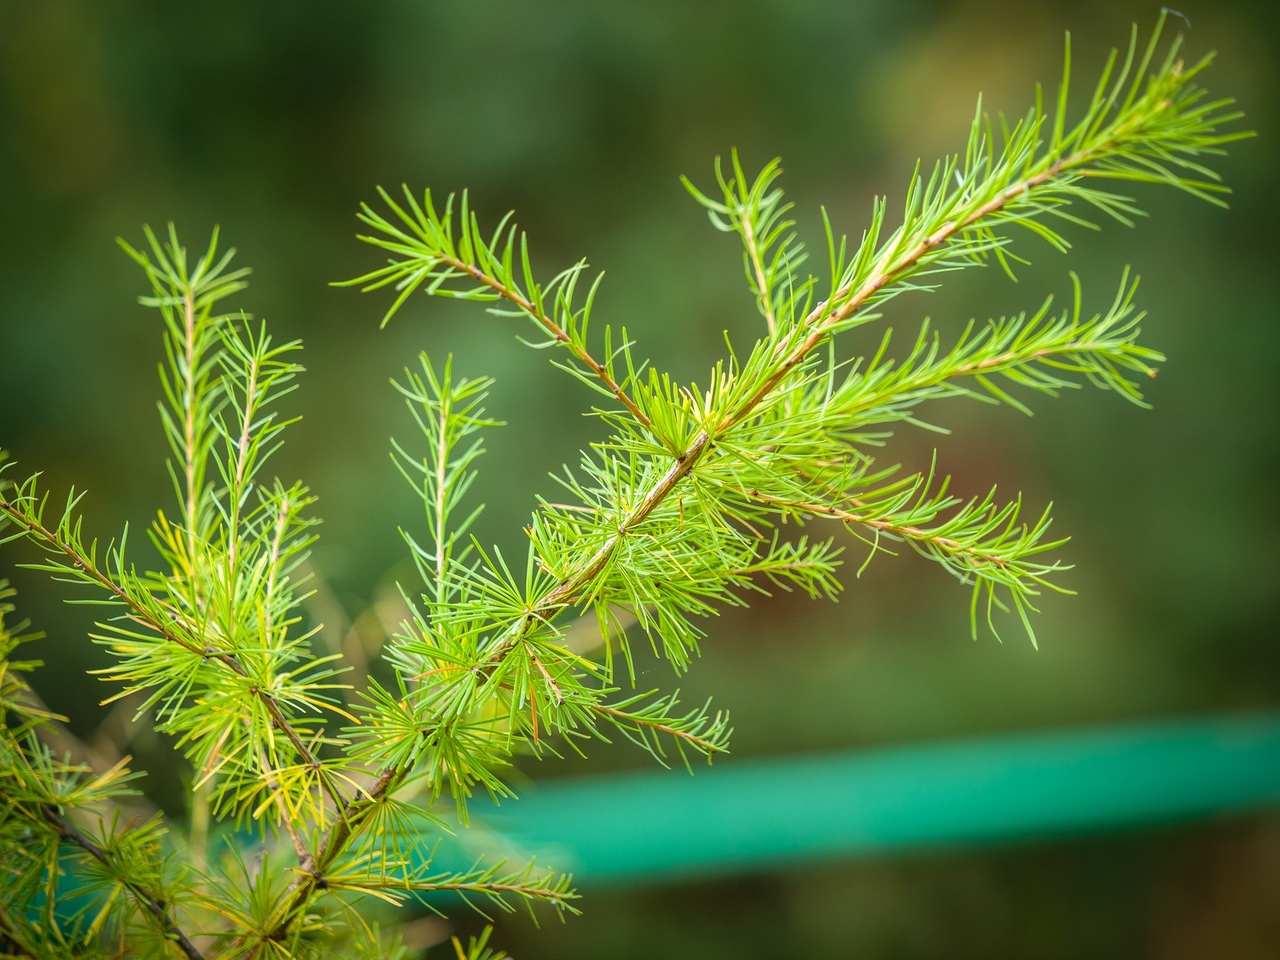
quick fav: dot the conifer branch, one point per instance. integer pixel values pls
(191, 475)
(756, 259)
(185, 296)
(699, 730)
(25, 510)
(12, 938)
(557, 333)
(772, 256)
(431, 254)
(649, 536)
(490, 883)
(675, 514)
(39, 789)
(148, 900)
(1158, 124)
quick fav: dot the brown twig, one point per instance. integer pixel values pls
(557, 332)
(905, 531)
(151, 902)
(706, 746)
(305, 860)
(141, 615)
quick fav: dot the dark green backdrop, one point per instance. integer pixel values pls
(275, 119)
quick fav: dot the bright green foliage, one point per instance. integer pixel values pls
(684, 506)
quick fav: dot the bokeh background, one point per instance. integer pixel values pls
(275, 119)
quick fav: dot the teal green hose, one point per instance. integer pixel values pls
(745, 815)
(760, 814)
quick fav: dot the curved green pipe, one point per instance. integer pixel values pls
(756, 814)
(763, 814)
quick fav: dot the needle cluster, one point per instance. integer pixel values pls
(697, 496)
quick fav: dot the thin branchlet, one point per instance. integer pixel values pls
(149, 900)
(23, 511)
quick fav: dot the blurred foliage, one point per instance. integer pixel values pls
(275, 119)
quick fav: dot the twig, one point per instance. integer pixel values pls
(704, 745)
(757, 265)
(557, 332)
(150, 902)
(140, 615)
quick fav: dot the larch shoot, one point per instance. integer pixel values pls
(314, 808)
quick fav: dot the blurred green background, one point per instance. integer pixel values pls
(275, 119)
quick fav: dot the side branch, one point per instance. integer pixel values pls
(820, 322)
(560, 899)
(558, 333)
(756, 258)
(975, 558)
(87, 570)
(148, 900)
(701, 744)
(189, 387)
(822, 319)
